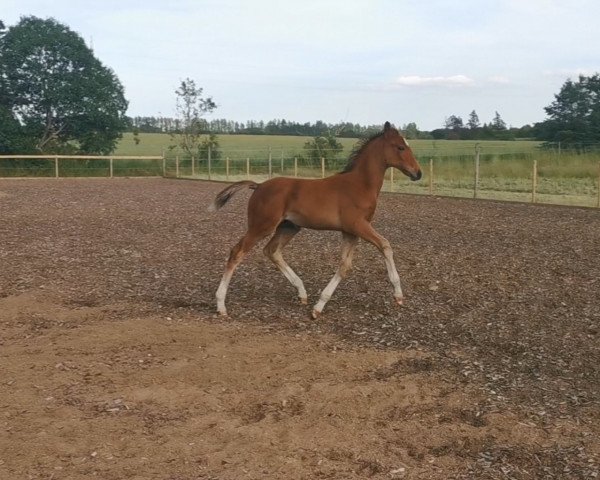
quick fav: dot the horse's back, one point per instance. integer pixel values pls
(312, 203)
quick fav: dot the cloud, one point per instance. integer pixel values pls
(419, 81)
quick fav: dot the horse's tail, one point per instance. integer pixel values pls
(223, 197)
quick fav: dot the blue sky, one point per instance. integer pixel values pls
(339, 60)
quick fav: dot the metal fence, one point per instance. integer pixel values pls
(554, 177)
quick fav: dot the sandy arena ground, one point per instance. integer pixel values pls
(114, 366)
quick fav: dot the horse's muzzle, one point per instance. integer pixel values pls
(416, 176)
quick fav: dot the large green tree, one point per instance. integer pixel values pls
(574, 115)
(55, 95)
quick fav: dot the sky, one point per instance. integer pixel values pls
(353, 61)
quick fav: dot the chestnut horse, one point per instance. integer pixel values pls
(344, 202)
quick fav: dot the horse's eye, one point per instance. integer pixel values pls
(401, 148)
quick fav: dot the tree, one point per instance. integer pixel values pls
(210, 142)
(497, 123)
(191, 107)
(12, 139)
(473, 122)
(574, 115)
(323, 146)
(56, 95)
(410, 131)
(136, 135)
(453, 128)
(453, 122)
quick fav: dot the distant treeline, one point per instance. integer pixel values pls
(485, 132)
(319, 128)
(254, 127)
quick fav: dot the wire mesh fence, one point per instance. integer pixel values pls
(536, 176)
(61, 166)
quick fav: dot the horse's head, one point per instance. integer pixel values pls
(398, 154)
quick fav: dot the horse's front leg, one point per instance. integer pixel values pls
(366, 231)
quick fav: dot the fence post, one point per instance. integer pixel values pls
(248, 167)
(295, 166)
(431, 176)
(209, 162)
(227, 168)
(282, 161)
(270, 163)
(176, 166)
(193, 167)
(392, 179)
(476, 185)
(110, 162)
(322, 167)
(534, 181)
(164, 164)
(56, 166)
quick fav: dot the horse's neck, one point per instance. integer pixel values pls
(370, 171)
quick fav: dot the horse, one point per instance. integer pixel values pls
(343, 202)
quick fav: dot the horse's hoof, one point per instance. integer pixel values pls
(304, 300)
(315, 314)
(222, 313)
(399, 300)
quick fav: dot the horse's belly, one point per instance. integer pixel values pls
(319, 220)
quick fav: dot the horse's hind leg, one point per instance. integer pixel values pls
(349, 243)
(235, 258)
(284, 233)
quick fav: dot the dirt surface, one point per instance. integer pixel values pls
(114, 365)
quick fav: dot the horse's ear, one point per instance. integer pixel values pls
(387, 126)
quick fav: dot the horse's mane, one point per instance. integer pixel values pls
(357, 150)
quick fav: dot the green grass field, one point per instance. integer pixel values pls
(453, 159)
(505, 169)
(156, 143)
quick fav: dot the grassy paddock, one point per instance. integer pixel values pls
(156, 143)
(252, 145)
(506, 167)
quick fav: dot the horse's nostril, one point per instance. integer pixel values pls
(417, 176)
